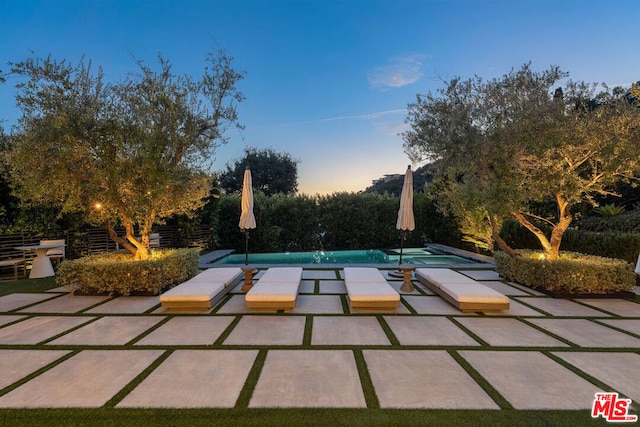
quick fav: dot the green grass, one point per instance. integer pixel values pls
(27, 285)
(292, 417)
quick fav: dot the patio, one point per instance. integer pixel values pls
(59, 351)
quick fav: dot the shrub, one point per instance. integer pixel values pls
(118, 273)
(572, 273)
(610, 244)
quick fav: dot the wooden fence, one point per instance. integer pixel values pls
(89, 241)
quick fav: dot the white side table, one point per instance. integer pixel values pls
(41, 266)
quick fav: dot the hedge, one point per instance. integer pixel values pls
(118, 273)
(571, 274)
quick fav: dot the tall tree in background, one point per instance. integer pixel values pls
(271, 172)
(505, 143)
(128, 153)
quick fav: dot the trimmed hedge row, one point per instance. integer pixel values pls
(118, 273)
(571, 274)
(609, 244)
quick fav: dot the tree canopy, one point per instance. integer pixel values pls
(129, 153)
(527, 137)
(271, 172)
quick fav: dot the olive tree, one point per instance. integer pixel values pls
(127, 153)
(527, 137)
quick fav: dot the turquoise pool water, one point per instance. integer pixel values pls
(416, 256)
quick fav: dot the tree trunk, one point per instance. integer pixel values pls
(564, 221)
(546, 246)
(496, 237)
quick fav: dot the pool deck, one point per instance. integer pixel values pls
(60, 350)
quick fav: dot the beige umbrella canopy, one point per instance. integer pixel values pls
(247, 219)
(406, 221)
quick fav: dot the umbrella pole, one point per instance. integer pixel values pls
(401, 245)
(246, 247)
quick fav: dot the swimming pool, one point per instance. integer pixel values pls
(418, 256)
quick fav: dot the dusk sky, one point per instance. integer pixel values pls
(329, 81)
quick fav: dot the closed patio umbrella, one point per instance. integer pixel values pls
(405, 222)
(247, 219)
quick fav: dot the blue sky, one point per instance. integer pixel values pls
(329, 81)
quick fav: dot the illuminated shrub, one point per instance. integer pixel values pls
(119, 274)
(571, 274)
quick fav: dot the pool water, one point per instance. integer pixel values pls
(371, 256)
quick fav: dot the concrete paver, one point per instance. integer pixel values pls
(39, 328)
(619, 370)
(267, 330)
(423, 379)
(433, 305)
(517, 309)
(531, 380)
(96, 376)
(66, 304)
(318, 304)
(332, 287)
(428, 331)
(307, 287)
(309, 378)
(13, 301)
(126, 305)
(17, 364)
(505, 289)
(562, 307)
(617, 306)
(586, 333)
(194, 379)
(629, 325)
(348, 330)
(235, 305)
(113, 330)
(508, 333)
(202, 330)
(8, 319)
(319, 274)
(481, 274)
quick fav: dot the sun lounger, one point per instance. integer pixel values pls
(277, 289)
(461, 291)
(201, 292)
(368, 289)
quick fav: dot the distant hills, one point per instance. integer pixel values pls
(392, 184)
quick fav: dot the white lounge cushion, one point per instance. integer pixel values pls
(475, 293)
(440, 276)
(363, 275)
(282, 274)
(273, 291)
(192, 291)
(372, 292)
(224, 275)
